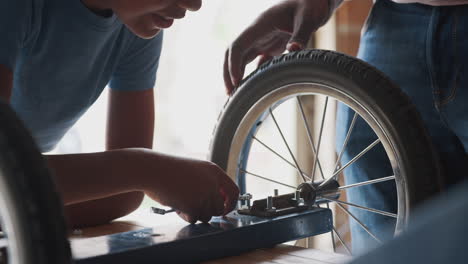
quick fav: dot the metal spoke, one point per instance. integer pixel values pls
(338, 235)
(389, 178)
(309, 135)
(287, 145)
(351, 162)
(320, 138)
(345, 144)
(342, 241)
(359, 222)
(266, 179)
(281, 157)
(362, 207)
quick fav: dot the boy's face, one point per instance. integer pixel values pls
(145, 18)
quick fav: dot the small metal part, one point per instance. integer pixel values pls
(77, 232)
(330, 190)
(280, 205)
(245, 200)
(269, 203)
(304, 198)
(307, 193)
(245, 197)
(270, 207)
(297, 195)
(160, 211)
(296, 198)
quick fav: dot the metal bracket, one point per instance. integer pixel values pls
(304, 198)
(224, 236)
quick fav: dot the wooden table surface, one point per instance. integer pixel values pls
(281, 254)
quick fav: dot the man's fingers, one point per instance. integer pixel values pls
(235, 61)
(243, 50)
(304, 25)
(235, 64)
(263, 59)
(227, 74)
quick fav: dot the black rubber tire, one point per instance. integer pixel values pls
(367, 84)
(31, 188)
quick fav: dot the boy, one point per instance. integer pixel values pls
(56, 56)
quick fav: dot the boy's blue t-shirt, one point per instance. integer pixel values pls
(63, 56)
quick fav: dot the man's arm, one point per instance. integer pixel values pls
(285, 26)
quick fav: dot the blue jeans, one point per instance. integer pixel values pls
(438, 234)
(424, 50)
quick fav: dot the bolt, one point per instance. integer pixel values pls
(160, 211)
(298, 199)
(270, 206)
(245, 199)
(77, 232)
(297, 195)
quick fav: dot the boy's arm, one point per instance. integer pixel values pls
(130, 119)
(79, 177)
(6, 82)
(199, 189)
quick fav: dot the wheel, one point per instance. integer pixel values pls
(31, 218)
(252, 144)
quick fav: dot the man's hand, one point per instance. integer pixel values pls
(287, 25)
(197, 189)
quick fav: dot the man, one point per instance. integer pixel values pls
(420, 45)
(56, 57)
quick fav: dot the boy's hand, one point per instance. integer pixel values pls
(287, 25)
(197, 189)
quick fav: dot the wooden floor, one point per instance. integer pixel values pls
(285, 255)
(282, 254)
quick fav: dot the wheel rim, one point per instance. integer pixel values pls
(245, 137)
(10, 222)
